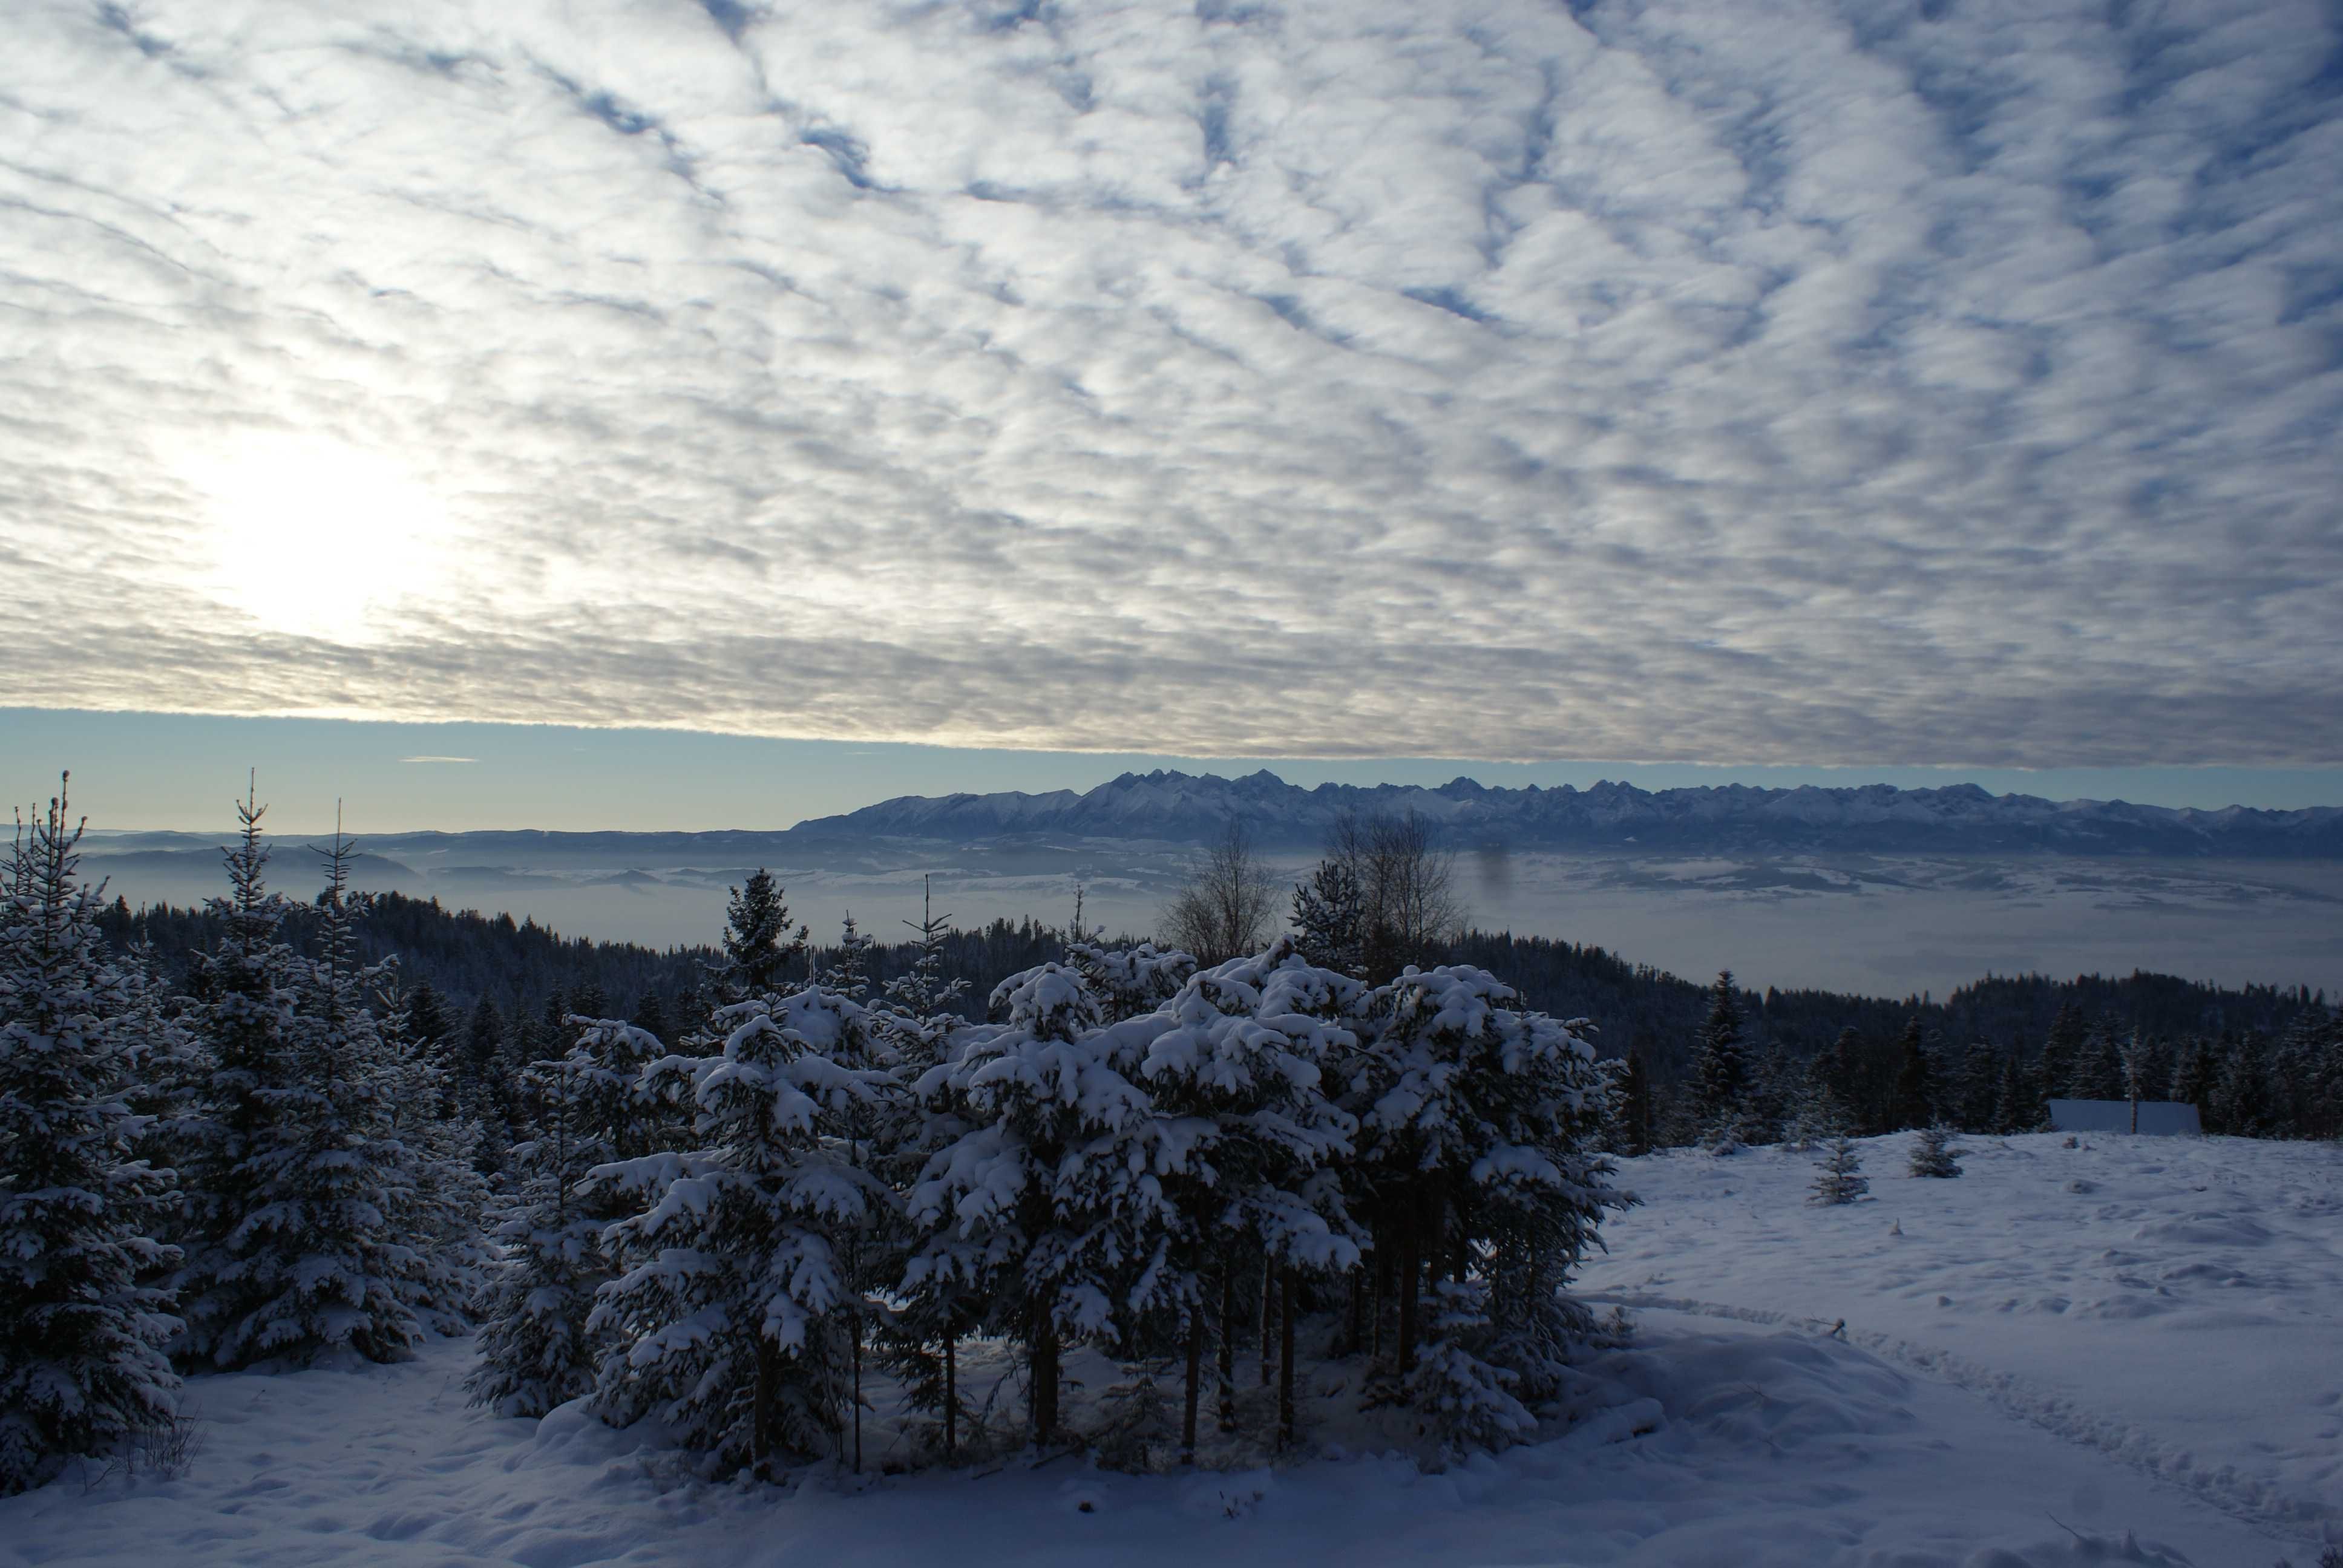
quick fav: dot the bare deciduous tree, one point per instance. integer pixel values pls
(1226, 907)
(1412, 912)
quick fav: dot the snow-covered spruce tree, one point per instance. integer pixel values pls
(2148, 1061)
(2098, 1071)
(1915, 1084)
(2012, 1108)
(1775, 1085)
(759, 948)
(440, 1200)
(1839, 1178)
(169, 1071)
(1042, 1219)
(1127, 983)
(2060, 1051)
(2196, 1079)
(2241, 1099)
(1480, 1124)
(293, 1256)
(1721, 1067)
(918, 1338)
(81, 1359)
(1811, 1118)
(1974, 1081)
(1933, 1153)
(2312, 1058)
(732, 1318)
(1331, 918)
(918, 1010)
(535, 1350)
(483, 1088)
(428, 1026)
(1247, 1143)
(848, 970)
(1631, 1134)
(243, 1021)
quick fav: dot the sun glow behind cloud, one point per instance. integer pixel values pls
(313, 537)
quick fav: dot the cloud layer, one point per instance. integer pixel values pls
(1753, 380)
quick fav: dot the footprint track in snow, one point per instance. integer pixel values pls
(2243, 1498)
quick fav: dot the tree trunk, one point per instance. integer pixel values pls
(1195, 1383)
(1358, 1311)
(1384, 1242)
(1045, 1381)
(761, 1411)
(1285, 1357)
(1411, 1272)
(951, 1392)
(1228, 1361)
(1268, 1318)
(857, 1330)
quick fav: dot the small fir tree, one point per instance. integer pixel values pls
(2242, 1097)
(1243, 1147)
(80, 1334)
(1472, 1107)
(295, 1256)
(1011, 1236)
(1915, 1088)
(759, 946)
(919, 1009)
(2197, 1080)
(1839, 1074)
(1933, 1153)
(652, 1018)
(2060, 1051)
(1721, 1064)
(848, 970)
(2098, 1070)
(2011, 1103)
(440, 1199)
(428, 1031)
(1126, 982)
(535, 1352)
(735, 1309)
(1632, 1133)
(1331, 918)
(483, 1091)
(1838, 1177)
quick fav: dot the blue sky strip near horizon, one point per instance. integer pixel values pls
(162, 771)
(1027, 389)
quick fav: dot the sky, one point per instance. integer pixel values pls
(394, 777)
(1744, 382)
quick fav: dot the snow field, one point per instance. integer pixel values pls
(2171, 1302)
(1735, 1435)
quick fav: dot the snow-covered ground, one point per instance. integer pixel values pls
(2121, 1353)
(2175, 1302)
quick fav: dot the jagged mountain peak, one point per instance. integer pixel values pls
(1167, 805)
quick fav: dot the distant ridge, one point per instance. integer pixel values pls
(1180, 807)
(1171, 809)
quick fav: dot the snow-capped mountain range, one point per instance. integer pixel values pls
(1180, 807)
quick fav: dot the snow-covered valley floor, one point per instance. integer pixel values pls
(2126, 1352)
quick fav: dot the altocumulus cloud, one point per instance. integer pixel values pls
(1748, 379)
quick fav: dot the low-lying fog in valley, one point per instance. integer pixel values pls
(1855, 923)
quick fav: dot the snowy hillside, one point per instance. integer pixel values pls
(2119, 1354)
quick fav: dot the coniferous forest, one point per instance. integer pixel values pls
(726, 1189)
